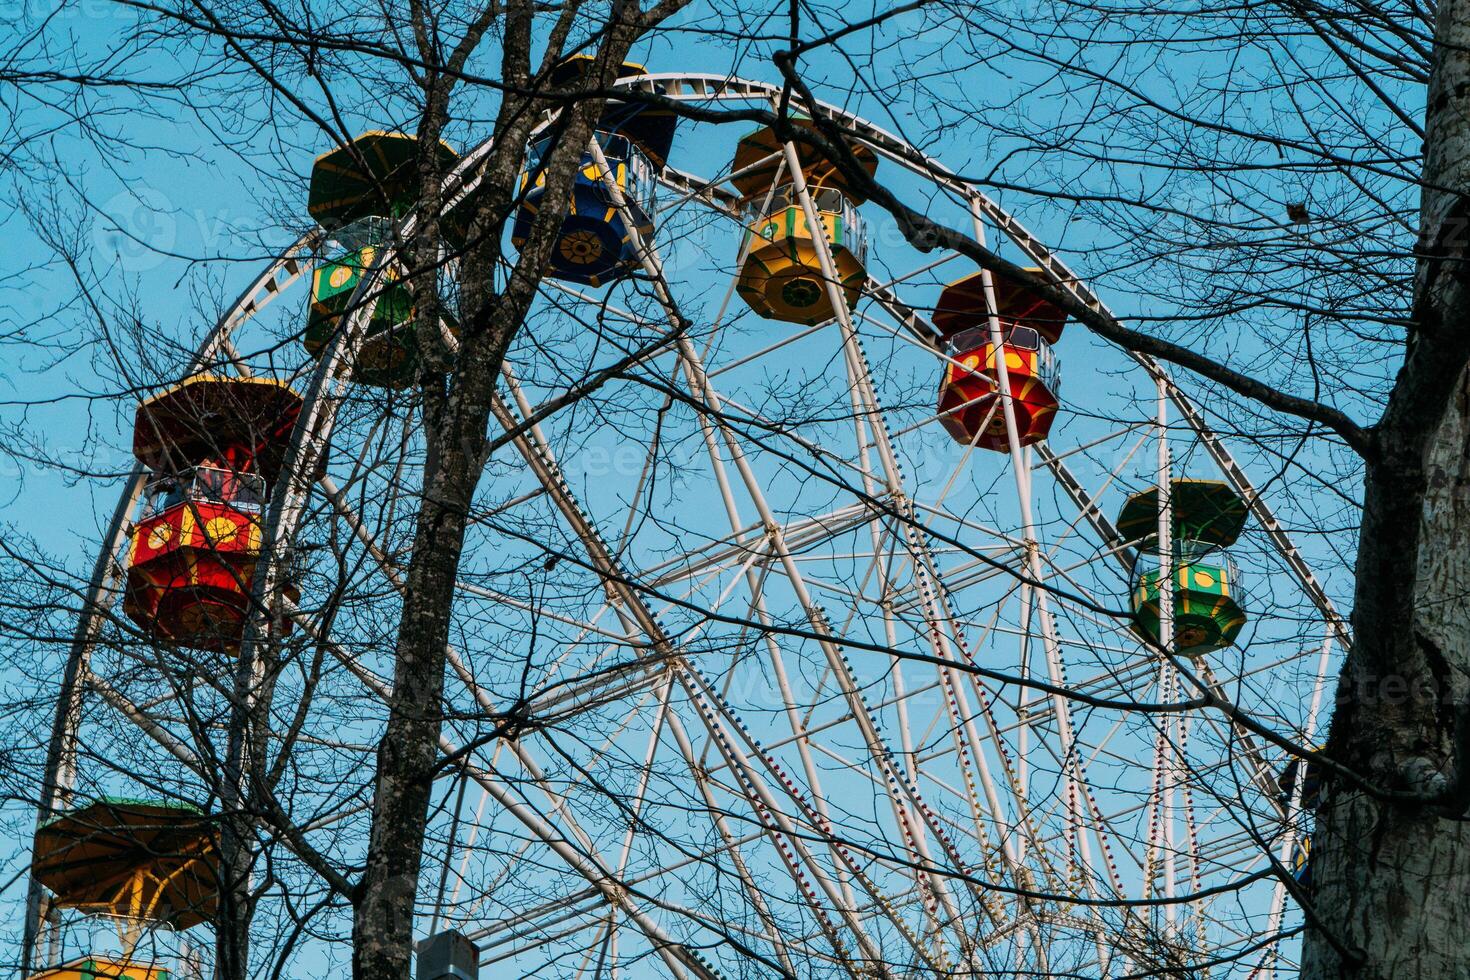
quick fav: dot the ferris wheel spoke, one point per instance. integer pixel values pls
(740, 545)
(765, 805)
(793, 855)
(869, 410)
(566, 700)
(901, 796)
(389, 568)
(757, 600)
(538, 455)
(1075, 782)
(773, 932)
(558, 801)
(798, 582)
(759, 826)
(1025, 830)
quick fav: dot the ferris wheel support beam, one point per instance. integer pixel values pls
(867, 409)
(1291, 838)
(648, 257)
(637, 617)
(708, 87)
(1076, 780)
(728, 209)
(773, 649)
(925, 335)
(775, 934)
(653, 267)
(1165, 758)
(732, 846)
(59, 775)
(869, 418)
(898, 784)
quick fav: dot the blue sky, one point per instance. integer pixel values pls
(175, 224)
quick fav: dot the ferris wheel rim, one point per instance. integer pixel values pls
(325, 373)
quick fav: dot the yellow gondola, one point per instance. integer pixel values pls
(781, 275)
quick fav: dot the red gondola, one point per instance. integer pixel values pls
(214, 445)
(969, 409)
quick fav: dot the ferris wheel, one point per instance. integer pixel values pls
(822, 636)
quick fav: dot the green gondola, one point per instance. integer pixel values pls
(357, 193)
(1206, 516)
(376, 175)
(1206, 615)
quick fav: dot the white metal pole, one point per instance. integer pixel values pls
(1165, 533)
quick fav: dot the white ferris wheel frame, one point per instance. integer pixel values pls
(516, 414)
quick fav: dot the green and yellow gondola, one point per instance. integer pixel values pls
(1206, 615)
(1206, 516)
(358, 192)
(376, 175)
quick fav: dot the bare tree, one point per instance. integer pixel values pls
(1271, 192)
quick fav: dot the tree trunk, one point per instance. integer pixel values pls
(455, 418)
(1391, 879)
(409, 751)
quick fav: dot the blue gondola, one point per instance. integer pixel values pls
(594, 246)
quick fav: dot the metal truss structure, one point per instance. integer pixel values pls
(787, 701)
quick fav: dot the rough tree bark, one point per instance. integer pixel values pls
(455, 415)
(1392, 875)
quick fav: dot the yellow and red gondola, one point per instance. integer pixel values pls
(969, 406)
(214, 445)
(969, 403)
